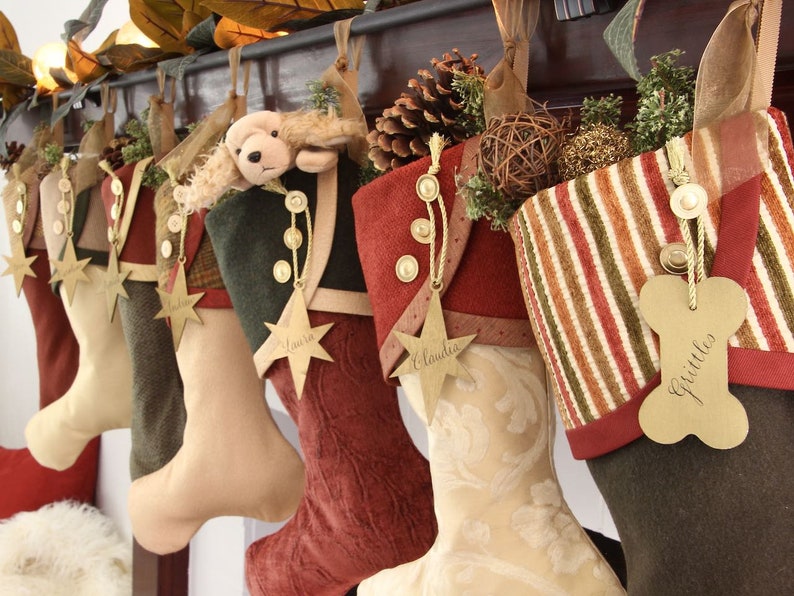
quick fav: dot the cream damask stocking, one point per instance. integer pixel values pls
(503, 525)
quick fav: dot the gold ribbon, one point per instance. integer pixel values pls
(343, 76)
(506, 84)
(160, 121)
(734, 79)
(181, 160)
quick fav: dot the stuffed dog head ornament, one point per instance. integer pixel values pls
(262, 146)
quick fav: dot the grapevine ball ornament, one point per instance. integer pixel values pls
(519, 152)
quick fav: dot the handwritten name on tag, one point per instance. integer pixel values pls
(693, 397)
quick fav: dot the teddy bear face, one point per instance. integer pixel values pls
(261, 156)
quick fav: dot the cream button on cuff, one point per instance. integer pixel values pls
(420, 230)
(296, 201)
(57, 227)
(688, 201)
(673, 258)
(16, 225)
(179, 194)
(407, 268)
(64, 185)
(427, 187)
(21, 188)
(64, 207)
(20, 207)
(116, 187)
(175, 223)
(166, 249)
(293, 238)
(282, 271)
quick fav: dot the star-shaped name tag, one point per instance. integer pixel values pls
(299, 342)
(18, 264)
(433, 355)
(113, 283)
(69, 270)
(178, 305)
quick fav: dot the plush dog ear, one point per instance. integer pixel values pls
(217, 175)
(315, 159)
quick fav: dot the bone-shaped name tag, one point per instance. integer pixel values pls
(693, 397)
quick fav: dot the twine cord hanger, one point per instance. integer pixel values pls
(437, 143)
(300, 280)
(695, 250)
(118, 201)
(68, 214)
(22, 196)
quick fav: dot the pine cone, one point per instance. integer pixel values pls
(430, 105)
(112, 153)
(14, 151)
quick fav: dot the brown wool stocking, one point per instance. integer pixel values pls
(233, 460)
(366, 505)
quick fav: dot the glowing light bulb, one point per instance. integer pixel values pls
(129, 33)
(49, 56)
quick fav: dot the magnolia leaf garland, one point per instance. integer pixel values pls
(265, 14)
(229, 34)
(621, 33)
(79, 29)
(167, 22)
(8, 36)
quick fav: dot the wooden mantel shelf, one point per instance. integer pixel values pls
(568, 60)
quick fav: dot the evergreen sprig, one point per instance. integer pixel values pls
(323, 96)
(471, 89)
(665, 109)
(484, 200)
(604, 110)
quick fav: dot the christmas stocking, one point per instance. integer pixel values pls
(56, 347)
(75, 231)
(473, 372)
(234, 459)
(158, 412)
(367, 502)
(27, 485)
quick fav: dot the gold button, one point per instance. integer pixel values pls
(114, 212)
(116, 187)
(64, 207)
(282, 271)
(180, 193)
(166, 249)
(57, 227)
(16, 225)
(420, 230)
(427, 187)
(407, 268)
(673, 258)
(21, 188)
(111, 235)
(175, 223)
(688, 201)
(20, 207)
(293, 238)
(64, 185)
(296, 201)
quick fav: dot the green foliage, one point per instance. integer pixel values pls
(368, 173)
(484, 200)
(665, 109)
(323, 96)
(141, 146)
(604, 110)
(471, 89)
(52, 154)
(154, 177)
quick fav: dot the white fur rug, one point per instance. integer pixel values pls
(63, 549)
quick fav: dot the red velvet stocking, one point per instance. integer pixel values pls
(56, 347)
(367, 503)
(27, 485)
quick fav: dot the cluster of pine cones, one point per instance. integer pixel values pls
(402, 133)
